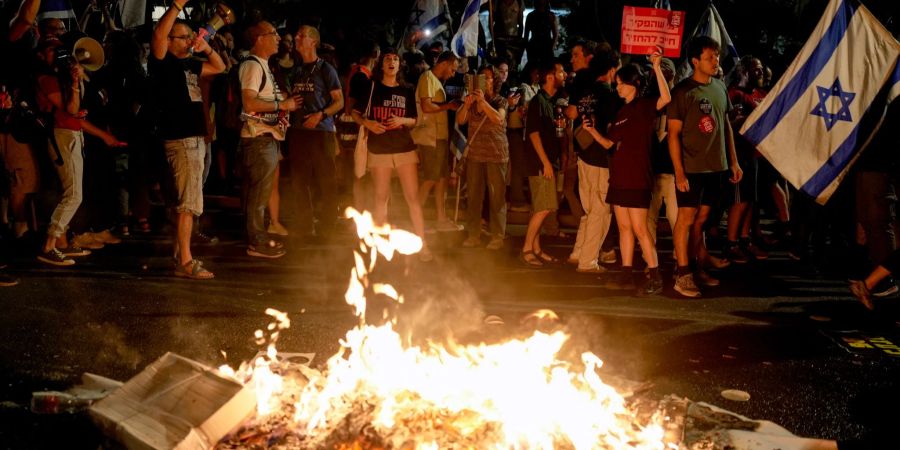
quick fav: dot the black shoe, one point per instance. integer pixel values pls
(885, 288)
(7, 280)
(56, 258)
(651, 286)
(201, 238)
(270, 250)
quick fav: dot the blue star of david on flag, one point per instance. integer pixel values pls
(846, 98)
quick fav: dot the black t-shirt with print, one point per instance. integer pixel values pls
(629, 164)
(389, 101)
(176, 91)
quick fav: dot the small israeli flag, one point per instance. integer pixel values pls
(465, 41)
(56, 9)
(830, 102)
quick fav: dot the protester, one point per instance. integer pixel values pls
(390, 104)
(182, 124)
(487, 159)
(630, 171)
(701, 145)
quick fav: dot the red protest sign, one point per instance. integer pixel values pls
(643, 29)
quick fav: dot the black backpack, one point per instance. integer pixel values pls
(233, 101)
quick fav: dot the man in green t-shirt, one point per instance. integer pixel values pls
(700, 138)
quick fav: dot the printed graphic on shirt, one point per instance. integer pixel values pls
(193, 86)
(705, 106)
(393, 106)
(706, 125)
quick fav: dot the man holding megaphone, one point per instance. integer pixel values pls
(175, 84)
(60, 90)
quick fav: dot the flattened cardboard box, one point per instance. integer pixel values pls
(175, 403)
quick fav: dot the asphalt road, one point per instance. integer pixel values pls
(772, 329)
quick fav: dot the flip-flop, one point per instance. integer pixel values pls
(533, 262)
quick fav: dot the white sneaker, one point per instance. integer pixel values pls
(495, 244)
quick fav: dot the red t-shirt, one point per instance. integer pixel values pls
(47, 85)
(633, 132)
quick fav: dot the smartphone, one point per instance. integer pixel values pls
(475, 82)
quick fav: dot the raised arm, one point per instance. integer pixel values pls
(159, 44)
(23, 19)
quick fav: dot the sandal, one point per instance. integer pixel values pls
(530, 259)
(547, 258)
(193, 270)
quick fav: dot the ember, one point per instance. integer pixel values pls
(380, 392)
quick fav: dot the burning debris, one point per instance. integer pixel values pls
(380, 391)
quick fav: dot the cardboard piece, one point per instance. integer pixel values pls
(175, 403)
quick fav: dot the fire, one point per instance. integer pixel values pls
(516, 394)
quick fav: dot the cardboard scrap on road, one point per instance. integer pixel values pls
(175, 403)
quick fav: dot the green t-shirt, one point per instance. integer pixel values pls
(702, 110)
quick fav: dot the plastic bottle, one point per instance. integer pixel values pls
(52, 402)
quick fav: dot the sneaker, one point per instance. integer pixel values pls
(471, 242)
(56, 258)
(425, 255)
(202, 238)
(277, 229)
(447, 225)
(706, 279)
(756, 252)
(621, 281)
(735, 254)
(106, 237)
(651, 286)
(74, 250)
(595, 269)
(270, 250)
(685, 285)
(861, 292)
(495, 244)
(885, 288)
(87, 240)
(608, 257)
(7, 280)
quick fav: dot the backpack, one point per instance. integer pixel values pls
(234, 104)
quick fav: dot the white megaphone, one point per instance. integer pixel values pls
(89, 53)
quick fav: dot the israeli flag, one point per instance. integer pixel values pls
(56, 9)
(711, 25)
(830, 102)
(465, 41)
(431, 18)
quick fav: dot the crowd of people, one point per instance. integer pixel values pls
(615, 138)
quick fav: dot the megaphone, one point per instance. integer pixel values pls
(89, 53)
(223, 16)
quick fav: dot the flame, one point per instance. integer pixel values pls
(516, 394)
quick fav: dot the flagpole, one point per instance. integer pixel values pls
(492, 51)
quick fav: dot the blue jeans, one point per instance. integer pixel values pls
(259, 158)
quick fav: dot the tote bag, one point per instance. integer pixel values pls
(361, 153)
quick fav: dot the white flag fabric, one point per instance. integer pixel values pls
(56, 9)
(830, 102)
(465, 41)
(711, 25)
(431, 17)
(132, 12)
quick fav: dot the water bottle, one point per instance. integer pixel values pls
(52, 402)
(560, 122)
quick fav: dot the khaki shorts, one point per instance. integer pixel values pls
(392, 160)
(185, 157)
(20, 163)
(543, 194)
(434, 160)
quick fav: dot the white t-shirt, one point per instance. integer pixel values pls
(251, 74)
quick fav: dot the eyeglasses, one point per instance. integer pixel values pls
(185, 37)
(271, 33)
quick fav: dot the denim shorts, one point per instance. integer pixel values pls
(185, 157)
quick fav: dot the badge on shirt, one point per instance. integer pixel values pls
(705, 106)
(706, 124)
